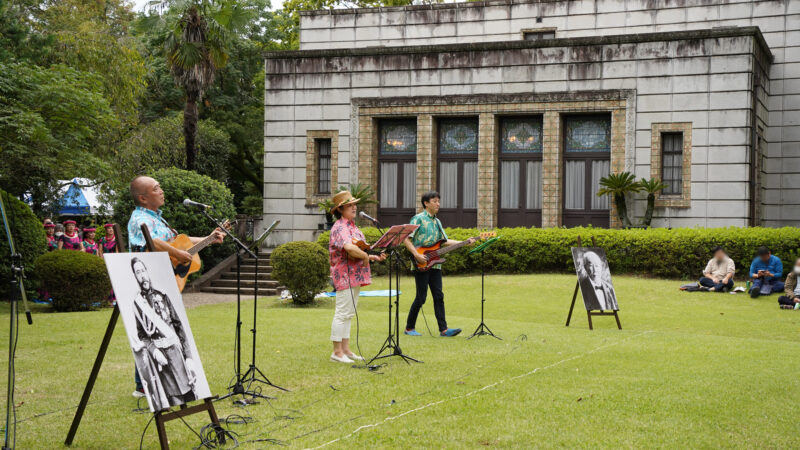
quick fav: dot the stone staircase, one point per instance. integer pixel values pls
(222, 278)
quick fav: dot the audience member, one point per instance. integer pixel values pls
(766, 271)
(718, 274)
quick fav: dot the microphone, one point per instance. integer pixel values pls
(192, 204)
(367, 216)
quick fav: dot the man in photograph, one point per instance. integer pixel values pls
(159, 328)
(598, 293)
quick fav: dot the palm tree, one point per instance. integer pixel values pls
(197, 43)
(652, 187)
(618, 185)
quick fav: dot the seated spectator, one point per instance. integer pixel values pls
(766, 271)
(791, 289)
(718, 275)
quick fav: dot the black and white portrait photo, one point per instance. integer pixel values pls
(158, 331)
(594, 278)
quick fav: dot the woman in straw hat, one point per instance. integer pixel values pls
(349, 271)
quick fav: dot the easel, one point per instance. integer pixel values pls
(483, 329)
(161, 417)
(589, 313)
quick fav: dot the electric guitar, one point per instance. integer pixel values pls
(183, 242)
(433, 254)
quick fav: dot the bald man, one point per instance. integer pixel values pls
(148, 198)
(598, 294)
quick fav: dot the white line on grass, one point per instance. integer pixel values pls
(476, 391)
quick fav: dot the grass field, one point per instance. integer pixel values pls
(687, 370)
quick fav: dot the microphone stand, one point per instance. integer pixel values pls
(237, 388)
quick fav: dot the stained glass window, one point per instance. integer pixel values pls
(458, 136)
(398, 137)
(521, 135)
(588, 134)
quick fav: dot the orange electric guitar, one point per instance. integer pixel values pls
(183, 242)
(433, 254)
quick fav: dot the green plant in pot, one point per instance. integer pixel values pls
(618, 186)
(652, 186)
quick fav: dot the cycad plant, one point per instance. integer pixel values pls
(618, 185)
(652, 187)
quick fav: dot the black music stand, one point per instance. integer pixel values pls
(483, 329)
(389, 241)
(253, 372)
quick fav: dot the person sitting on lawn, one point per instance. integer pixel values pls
(718, 275)
(765, 271)
(791, 290)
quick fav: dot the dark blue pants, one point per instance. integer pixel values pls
(709, 283)
(431, 278)
(770, 287)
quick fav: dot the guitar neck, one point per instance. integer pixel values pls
(201, 245)
(450, 248)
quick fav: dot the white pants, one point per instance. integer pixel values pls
(345, 310)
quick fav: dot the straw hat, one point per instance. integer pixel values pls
(343, 198)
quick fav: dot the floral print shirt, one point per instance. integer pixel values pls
(158, 227)
(90, 247)
(345, 271)
(52, 243)
(430, 231)
(73, 242)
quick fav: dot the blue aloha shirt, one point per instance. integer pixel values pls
(430, 231)
(158, 227)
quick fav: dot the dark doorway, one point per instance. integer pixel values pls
(587, 158)
(397, 165)
(458, 171)
(520, 180)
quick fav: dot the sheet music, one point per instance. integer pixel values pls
(394, 236)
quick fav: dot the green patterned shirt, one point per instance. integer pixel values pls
(430, 231)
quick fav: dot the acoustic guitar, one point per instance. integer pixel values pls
(433, 254)
(183, 242)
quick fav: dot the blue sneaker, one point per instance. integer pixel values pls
(450, 332)
(412, 333)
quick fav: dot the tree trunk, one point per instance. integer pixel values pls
(622, 210)
(648, 214)
(190, 129)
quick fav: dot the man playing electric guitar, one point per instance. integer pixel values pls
(430, 231)
(148, 198)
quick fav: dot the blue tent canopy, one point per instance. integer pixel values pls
(73, 202)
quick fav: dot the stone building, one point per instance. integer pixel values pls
(514, 109)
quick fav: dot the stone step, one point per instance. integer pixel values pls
(245, 291)
(250, 269)
(252, 262)
(248, 283)
(246, 276)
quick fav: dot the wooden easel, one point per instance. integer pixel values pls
(589, 313)
(161, 417)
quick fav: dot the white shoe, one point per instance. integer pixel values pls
(355, 357)
(341, 359)
(137, 394)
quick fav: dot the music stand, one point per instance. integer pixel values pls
(253, 372)
(389, 241)
(482, 329)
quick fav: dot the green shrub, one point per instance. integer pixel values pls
(676, 253)
(76, 280)
(180, 184)
(29, 240)
(303, 268)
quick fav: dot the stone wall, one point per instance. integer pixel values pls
(702, 77)
(502, 20)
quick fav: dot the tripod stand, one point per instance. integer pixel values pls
(483, 329)
(390, 240)
(237, 388)
(17, 291)
(253, 373)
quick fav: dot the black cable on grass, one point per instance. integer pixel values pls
(139, 408)
(141, 440)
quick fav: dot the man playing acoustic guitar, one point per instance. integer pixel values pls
(148, 198)
(430, 231)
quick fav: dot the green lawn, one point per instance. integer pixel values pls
(687, 370)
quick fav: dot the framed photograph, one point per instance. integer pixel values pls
(594, 277)
(152, 311)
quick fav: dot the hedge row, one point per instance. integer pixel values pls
(661, 252)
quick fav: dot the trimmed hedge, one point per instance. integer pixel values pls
(29, 240)
(661, 252)
(76, 280)
(303, 268)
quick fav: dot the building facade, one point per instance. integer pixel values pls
(514, 109)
